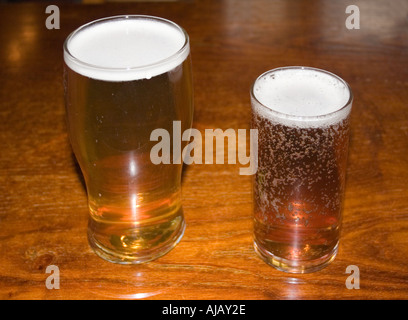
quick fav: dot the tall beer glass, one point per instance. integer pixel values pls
(302, 117)
(124, 77)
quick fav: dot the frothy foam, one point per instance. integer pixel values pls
(126, 48)
(303, 97)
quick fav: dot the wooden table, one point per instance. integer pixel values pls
(43, 205)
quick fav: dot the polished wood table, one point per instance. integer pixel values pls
(43, 204)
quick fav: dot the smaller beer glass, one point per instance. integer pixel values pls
(302, 118)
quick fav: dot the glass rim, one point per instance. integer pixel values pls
(173, 56)
(303, 117)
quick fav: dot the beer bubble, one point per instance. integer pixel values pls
(139, 47)
(301, 97)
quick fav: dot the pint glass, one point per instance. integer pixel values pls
(302, 118)
(124, 77)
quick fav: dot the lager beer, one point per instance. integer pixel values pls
(124, 77)
(302, 117)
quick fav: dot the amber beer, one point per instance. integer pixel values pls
(124, 77)
(302, 117)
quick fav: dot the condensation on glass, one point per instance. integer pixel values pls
(302, 118)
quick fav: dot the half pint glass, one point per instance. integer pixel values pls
(124, 77)
(302, 117)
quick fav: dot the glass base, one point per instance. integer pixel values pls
(135, 256)
(296, 266)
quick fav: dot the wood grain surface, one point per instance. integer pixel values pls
(43, 204)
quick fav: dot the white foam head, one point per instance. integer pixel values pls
(125, 48)
(301, 96)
